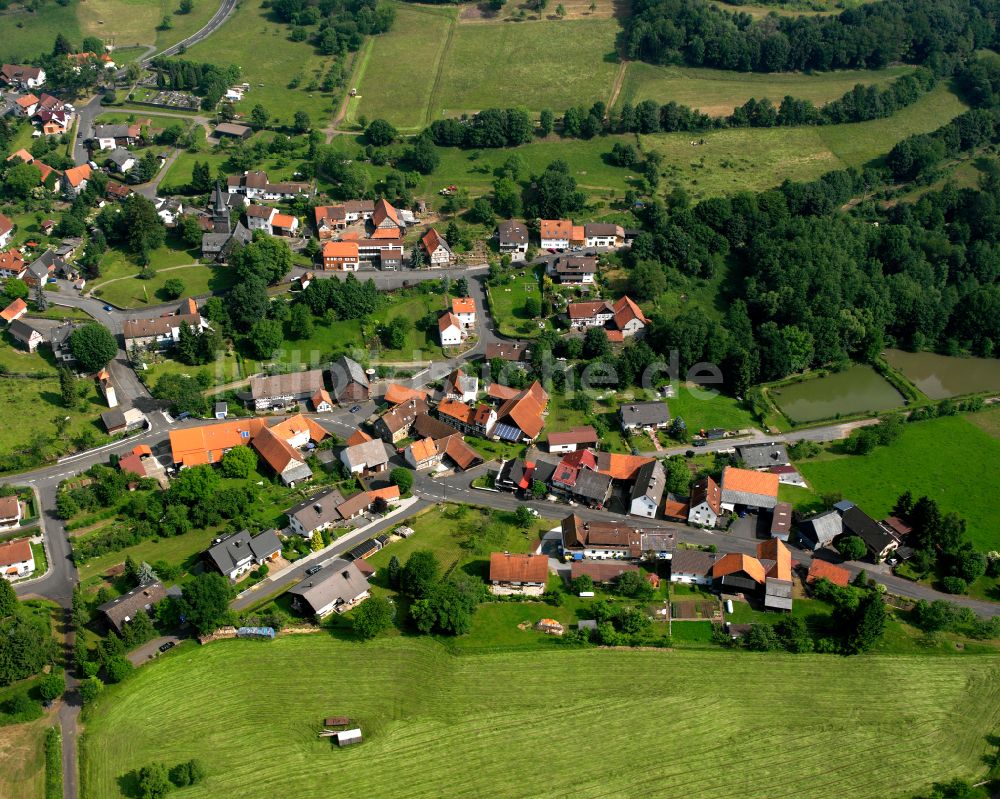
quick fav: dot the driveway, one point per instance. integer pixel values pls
(151, 650)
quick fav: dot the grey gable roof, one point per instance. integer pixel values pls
(592, 485)
(650, 481)
(345, 371)
(21, 330)
(319, 509)
(120, 155)
(822, 529)
(229, 553)
(760, 456)
(643, 413)
(512, 232)
(338, 582)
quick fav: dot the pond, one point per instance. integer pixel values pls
(942, 376)
(859, 389)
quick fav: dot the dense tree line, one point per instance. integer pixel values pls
(491, 127)
(26, 644)
(347, 299)
(936, 33)
(341, 25)
(208, 81)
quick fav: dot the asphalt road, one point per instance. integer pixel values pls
(227, 8)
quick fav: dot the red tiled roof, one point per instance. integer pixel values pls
(736, 562)
(555, 228)
(447, 320)
(763, 483)
(513, 568)
(14, 310)
(384, 211)
(578, 435)
(15, 552)
(461, 305)
(395, 394)
(358, 437)
(820, 570)
(776, 550)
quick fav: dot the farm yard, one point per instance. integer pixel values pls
(482, 715)
(947, 459)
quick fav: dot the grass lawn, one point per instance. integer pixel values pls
(717, 92)
(560, 416)
(536, 64)
(507, 303)
(274, 61)
(743, 159)
(420, 344)
(198, 279)
(22, 759)
(477, 719)
(226, 369)
(179, 173)
(691, 632)
(703, 413)
(27, 34)
(398, 70)
(934, 458)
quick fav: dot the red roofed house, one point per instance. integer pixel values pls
(518, 574)
(555, 234)
(396, 394)
(622, 319)
(10, 512)
(284, 224)
(706, 503)
(571, 440)
(76, 179)
(821, 570)
(26, 105)
(15, 310)
(465, 309)
(452, 334)
(16, 560)
(436, 248)
(321, 401)
(6, 230)
(12, 264)
(22, 77)
(341, 256)
(385, 221)
(520, 418)
(423, 454)
(329, 218)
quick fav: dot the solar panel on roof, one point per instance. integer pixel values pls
(508, 432)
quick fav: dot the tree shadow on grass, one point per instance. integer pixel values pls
(128, 784)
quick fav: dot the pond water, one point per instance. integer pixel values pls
(859, 389)
(942, 376)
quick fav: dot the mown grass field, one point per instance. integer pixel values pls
(949, 459)
(397, 72)
(270, 61)
(22, 760)
(717, 92)
(470, 722)
(124, 23)
(536, 64)
(701, 411)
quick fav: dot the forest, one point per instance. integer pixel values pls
(935, 33)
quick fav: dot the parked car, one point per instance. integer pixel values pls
(355, 409)
(167, 646)
(312, 570)
(108, 308)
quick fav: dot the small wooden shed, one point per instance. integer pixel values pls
(348, 737)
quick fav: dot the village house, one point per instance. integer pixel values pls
(385, 222)
(118, 421)
(286, 225)
(576, 476)
(380, 251)
(280, 391)
(647, 491)
(21, 76)
(575, 270)
(254, 185)
(776, 559)
(511, 351)
(161, 331)
(621, 320)
(478, 420)
(108, 137)
(321, 401)
(461, 387)
(15, 310)
(169, 209)
(396, 394)
(46, 265)
(821, 570)
(369, 457)
(880, 541)
(259, 217)
(122, 160)
(572, 440)
(705, 505)
(11, 261)
(603, 234)
(121, 610)
(644, 416)
(338, 587)
(10, 512)
(6, 230)
(75, 180)
(25, 335)
(232, 131)
(520, 418)
(692, 567)
(555, 234)
(821, 529)
(450, 329)
(236, 554)
(281, 456)
(607, 540)
(16, 559)
(394, 425)
(747, 489)
(436, 249)
(423, 454)
(26, 105)
(518, 574)
(350, 383)
(341, 256)
(316, 514)
(465, 309)
(512, 238)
